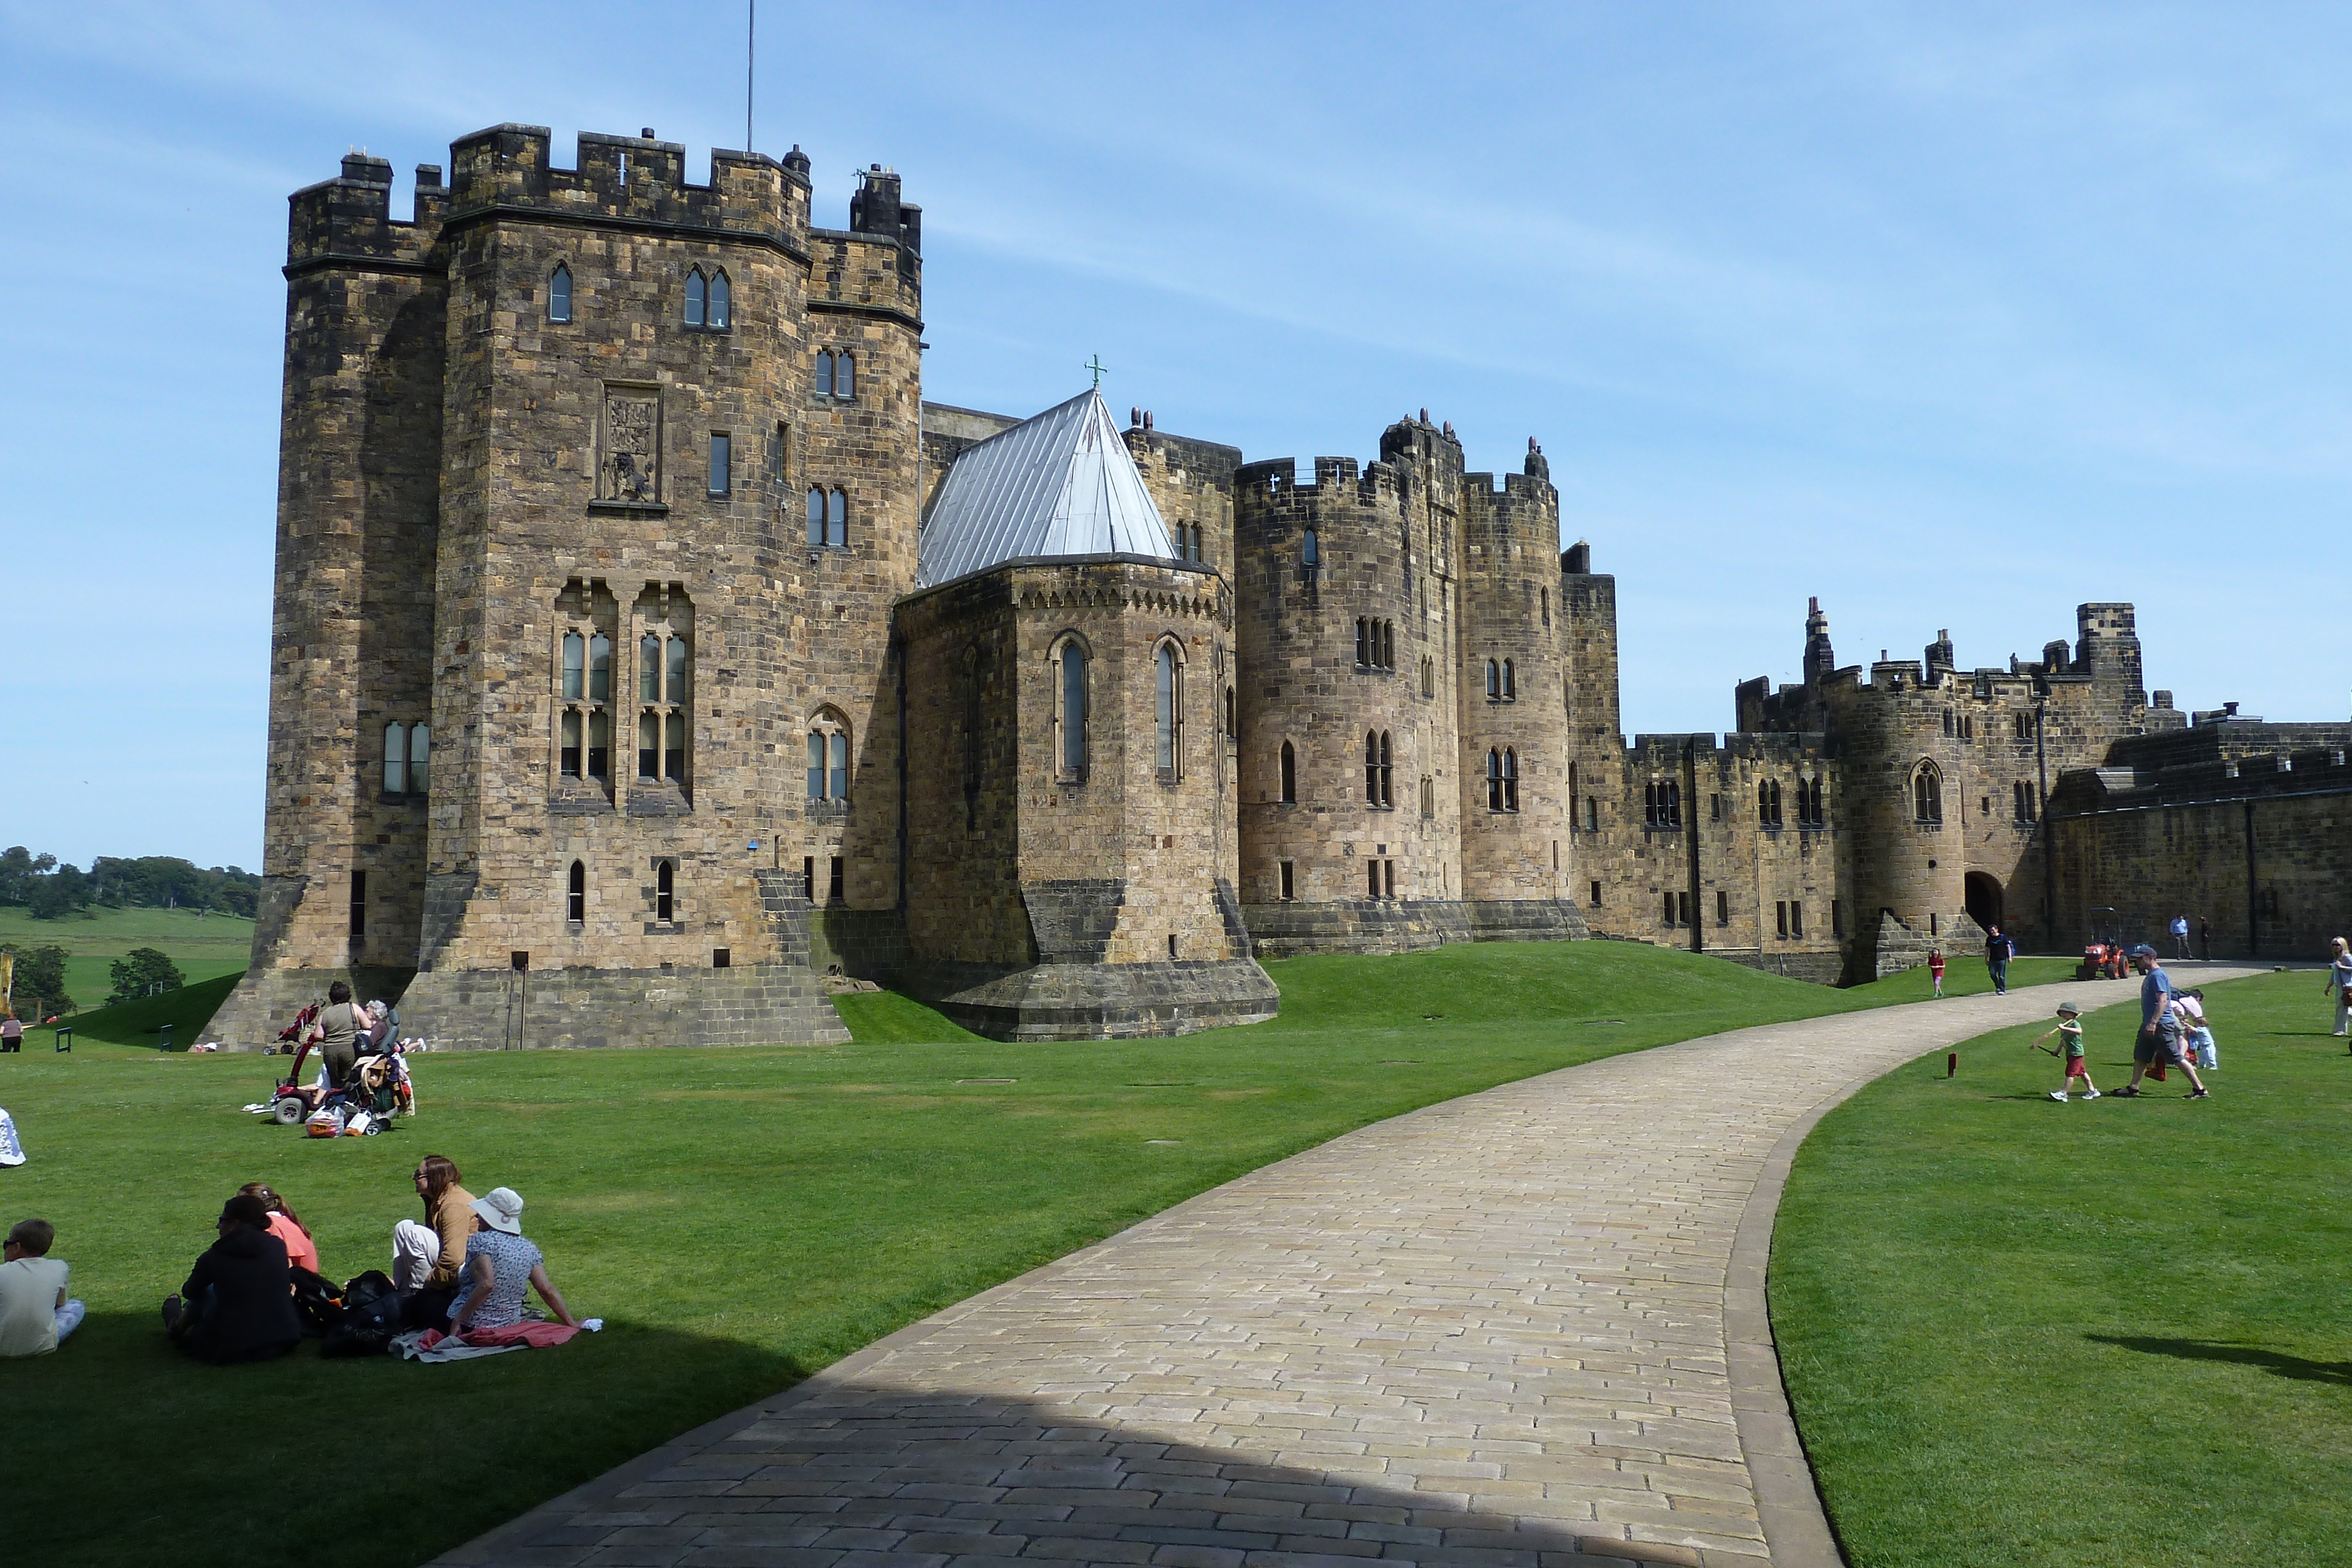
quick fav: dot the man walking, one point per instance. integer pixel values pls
(2205, 935)
(1999, 951)
(2159, 1029)
(2180, 937)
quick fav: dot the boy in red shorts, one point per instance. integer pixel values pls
(2070, 1050)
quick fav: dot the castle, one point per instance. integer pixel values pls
(646, 650)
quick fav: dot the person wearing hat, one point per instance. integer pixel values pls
(2069, 1050)
(498, 1263)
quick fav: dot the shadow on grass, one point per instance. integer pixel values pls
(2271, 1361)
(531, 1424)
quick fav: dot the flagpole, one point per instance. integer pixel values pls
(750, 45)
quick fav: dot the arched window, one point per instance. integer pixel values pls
(828, 757)
(840, 772)
(1372, 768)
(1070, 712)
(420, 757)
(1289, 775)
(1311, 553)
(816, 517)
(1927, 793)
(1170, 679)
(600, 668)
(837, 519)
(845, 377)
(395, 760)
(1233, 717)
(697, 294)
(559, 294)
(665, 892)
(575, 896)
(720, 299)
(1511, 781)
(1494, 780)
(1428, 677)
(575, 660)
(1494, 681)
(676, 670)
(824, 373)
(1428, 796)
(1388, 796)
(1510, 683)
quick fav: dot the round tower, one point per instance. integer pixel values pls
(1347, 813)
(1903, 789)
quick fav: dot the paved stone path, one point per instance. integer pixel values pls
(1522, 1329)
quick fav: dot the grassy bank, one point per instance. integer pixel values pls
(2020, 1334)
(204, 945)
(739, 1216)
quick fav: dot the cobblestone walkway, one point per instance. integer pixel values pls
(1524, 1329)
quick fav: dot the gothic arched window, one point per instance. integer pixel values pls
(575, 895)
(837, 519)
(824, 373)
(1289, 775)
(721, 297)
(559, 294)
(698, 298)
(1927, 793)
(1169, 680)
(816, 517)
(845, 377)
(1070, 712)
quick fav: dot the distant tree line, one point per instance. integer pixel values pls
(51, 890)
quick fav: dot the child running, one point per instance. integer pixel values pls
(2069, 1049)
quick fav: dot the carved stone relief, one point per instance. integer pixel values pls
(628, 467)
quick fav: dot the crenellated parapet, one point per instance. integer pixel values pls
(347, 221)
(629, 182)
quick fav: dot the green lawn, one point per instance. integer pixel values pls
(203, 945)
(2020, 1334)
(739, 1216)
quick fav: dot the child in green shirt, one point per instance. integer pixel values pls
(2070, 1049)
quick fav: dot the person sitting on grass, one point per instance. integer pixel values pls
(498, 1263)
(449, 1214)
(2069, 1050)
(35, 1315)
(284, 1224)
(238, 1302)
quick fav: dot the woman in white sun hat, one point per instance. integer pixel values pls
(498, 1263)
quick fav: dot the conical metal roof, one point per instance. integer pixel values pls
(1059, 484)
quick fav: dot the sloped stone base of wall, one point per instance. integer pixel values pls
(493, 1010)
(1819, 969)
(1098, 1002)
(266, 1000)
(1899, 947)
(1406, 925)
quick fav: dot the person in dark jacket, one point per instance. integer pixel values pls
(1999, 951)
(238, 1302)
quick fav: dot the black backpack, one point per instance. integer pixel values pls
(317, 1303)
(370, 1318)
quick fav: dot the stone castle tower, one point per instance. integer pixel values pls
(646, 649)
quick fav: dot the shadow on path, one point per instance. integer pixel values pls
(2273, 1361)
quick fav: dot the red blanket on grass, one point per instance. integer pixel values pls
(537, 1334)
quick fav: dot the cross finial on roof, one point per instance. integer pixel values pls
(1095, 365)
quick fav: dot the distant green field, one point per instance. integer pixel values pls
(203, 945)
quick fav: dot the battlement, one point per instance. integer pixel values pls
(1273, 482)
(349, 218)
(634, 180)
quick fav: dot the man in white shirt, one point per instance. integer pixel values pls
(35, 1315)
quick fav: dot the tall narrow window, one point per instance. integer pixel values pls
(1592, 813)
(1232, 716)
(650, 746)
(721, 299)
(840, 773)
(665, 892)
(815, 766)
(359, 903)
(1072, 712)
(816, 517)
(1797, 919)
(1372, 768)
(825, 373)
(600, 668)
(697, 297)
(677, 669)
(1927, 794)
(674, 747)
(575, 895)
(1723, 909)
(600, 744)
(1373, 868)
(845, 377)
(1493, 680)
(650, 668)
(1311, 553)
(1781, 918)
(1387, 797)
(1511, 779)
(576, 663)
(1428, 678)
(837, 519)
(1428, 796)
(1289, 879)
(568, 750)
(420, 757)
(1170, 713)
(395, 760)
(559, 294)
(1494, 780)
(1546, 593)
(835, 882)
(1363, 641)
(1289, 775)
(722, 462)
(1510, 683)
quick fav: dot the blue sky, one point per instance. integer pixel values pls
(1955, 317)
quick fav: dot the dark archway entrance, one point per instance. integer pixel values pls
(1982, 892)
